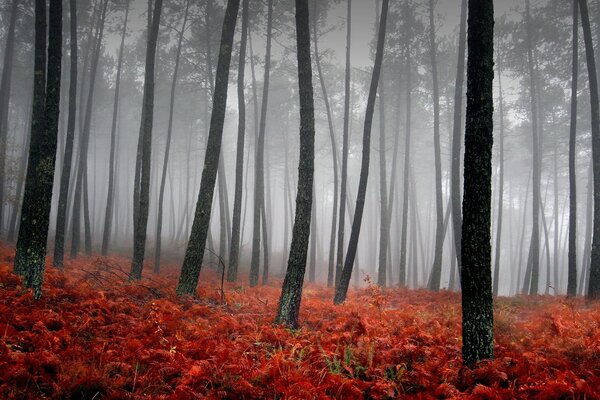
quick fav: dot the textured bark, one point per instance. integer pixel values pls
(145, 137)
(163, 179)
(334, 150)
(291, 292)
(110, 196)
(84, 134)
(234, 250)
(341, 290)
(259, 172)
(456, 133)
(5, 85)
(500, 188)
(61, 213)
(33, 232)
(594, 280)
(572, 256)
(436, 270)
(476, 277)
(344, 176)
(192, 262)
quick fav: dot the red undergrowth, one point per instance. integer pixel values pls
(93, 335)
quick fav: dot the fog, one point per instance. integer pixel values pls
(548, 30)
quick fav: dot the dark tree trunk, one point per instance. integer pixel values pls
(342, 289)
(456, 133)
(500, 188)
(163, 179)
(291, 292)
(345, 150)
(476, 277)
(234, 250)
(594, 280)
(84, 135)
(572, 257)
(61, 214)
(194, 254)
(110, 197)
(535, 234)
(5, 85)
(436, 271)
(145, 137)
(259, 173)
(33, 232)
(334, 212)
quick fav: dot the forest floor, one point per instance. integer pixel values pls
(95, 336)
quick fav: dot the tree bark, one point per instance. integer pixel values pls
(145, 138)
(342, 289)
(572, 255)
(291, 292)
(33, 233)
(192, 262)
(476, 277)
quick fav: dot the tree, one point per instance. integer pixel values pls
(436, 270)
(259, 173)
(163, 179)
(33, 232)
(500, 187)
(291, 293)
(342, 289)
(110, 193)
(145, 138)
(345, 149)
(572, 256)
(594, 280)
(5, 84)
(234, 251)
(61, 217)
(476, 277)
(192, 262)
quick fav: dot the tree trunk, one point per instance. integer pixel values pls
(291, 292)
(436, 271)
(594, 281)
(476, 277)
(5, 85)
(192, 262)
(163, 179)
(259, 173)
(342, 289)
(84, 140)
(572, 255)
(145, 138)
(345, 150)
(61, 214)
(33, 233)
(110, 198)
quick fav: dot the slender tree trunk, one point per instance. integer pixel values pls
(194, 254)
(33, 233)
(84, 135)
(334, 212)
(342, 289)
(110, 198)
(500, 188)
(259, 173)
(456, 133)
(587, 246)
(61, 214)
(436, 271)
(572, 256)
(234, 250)
(145, 138)
(291, 292)
(163, 179)
(594, 281)
(476, 277)
(5, 85)
(345, 150)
